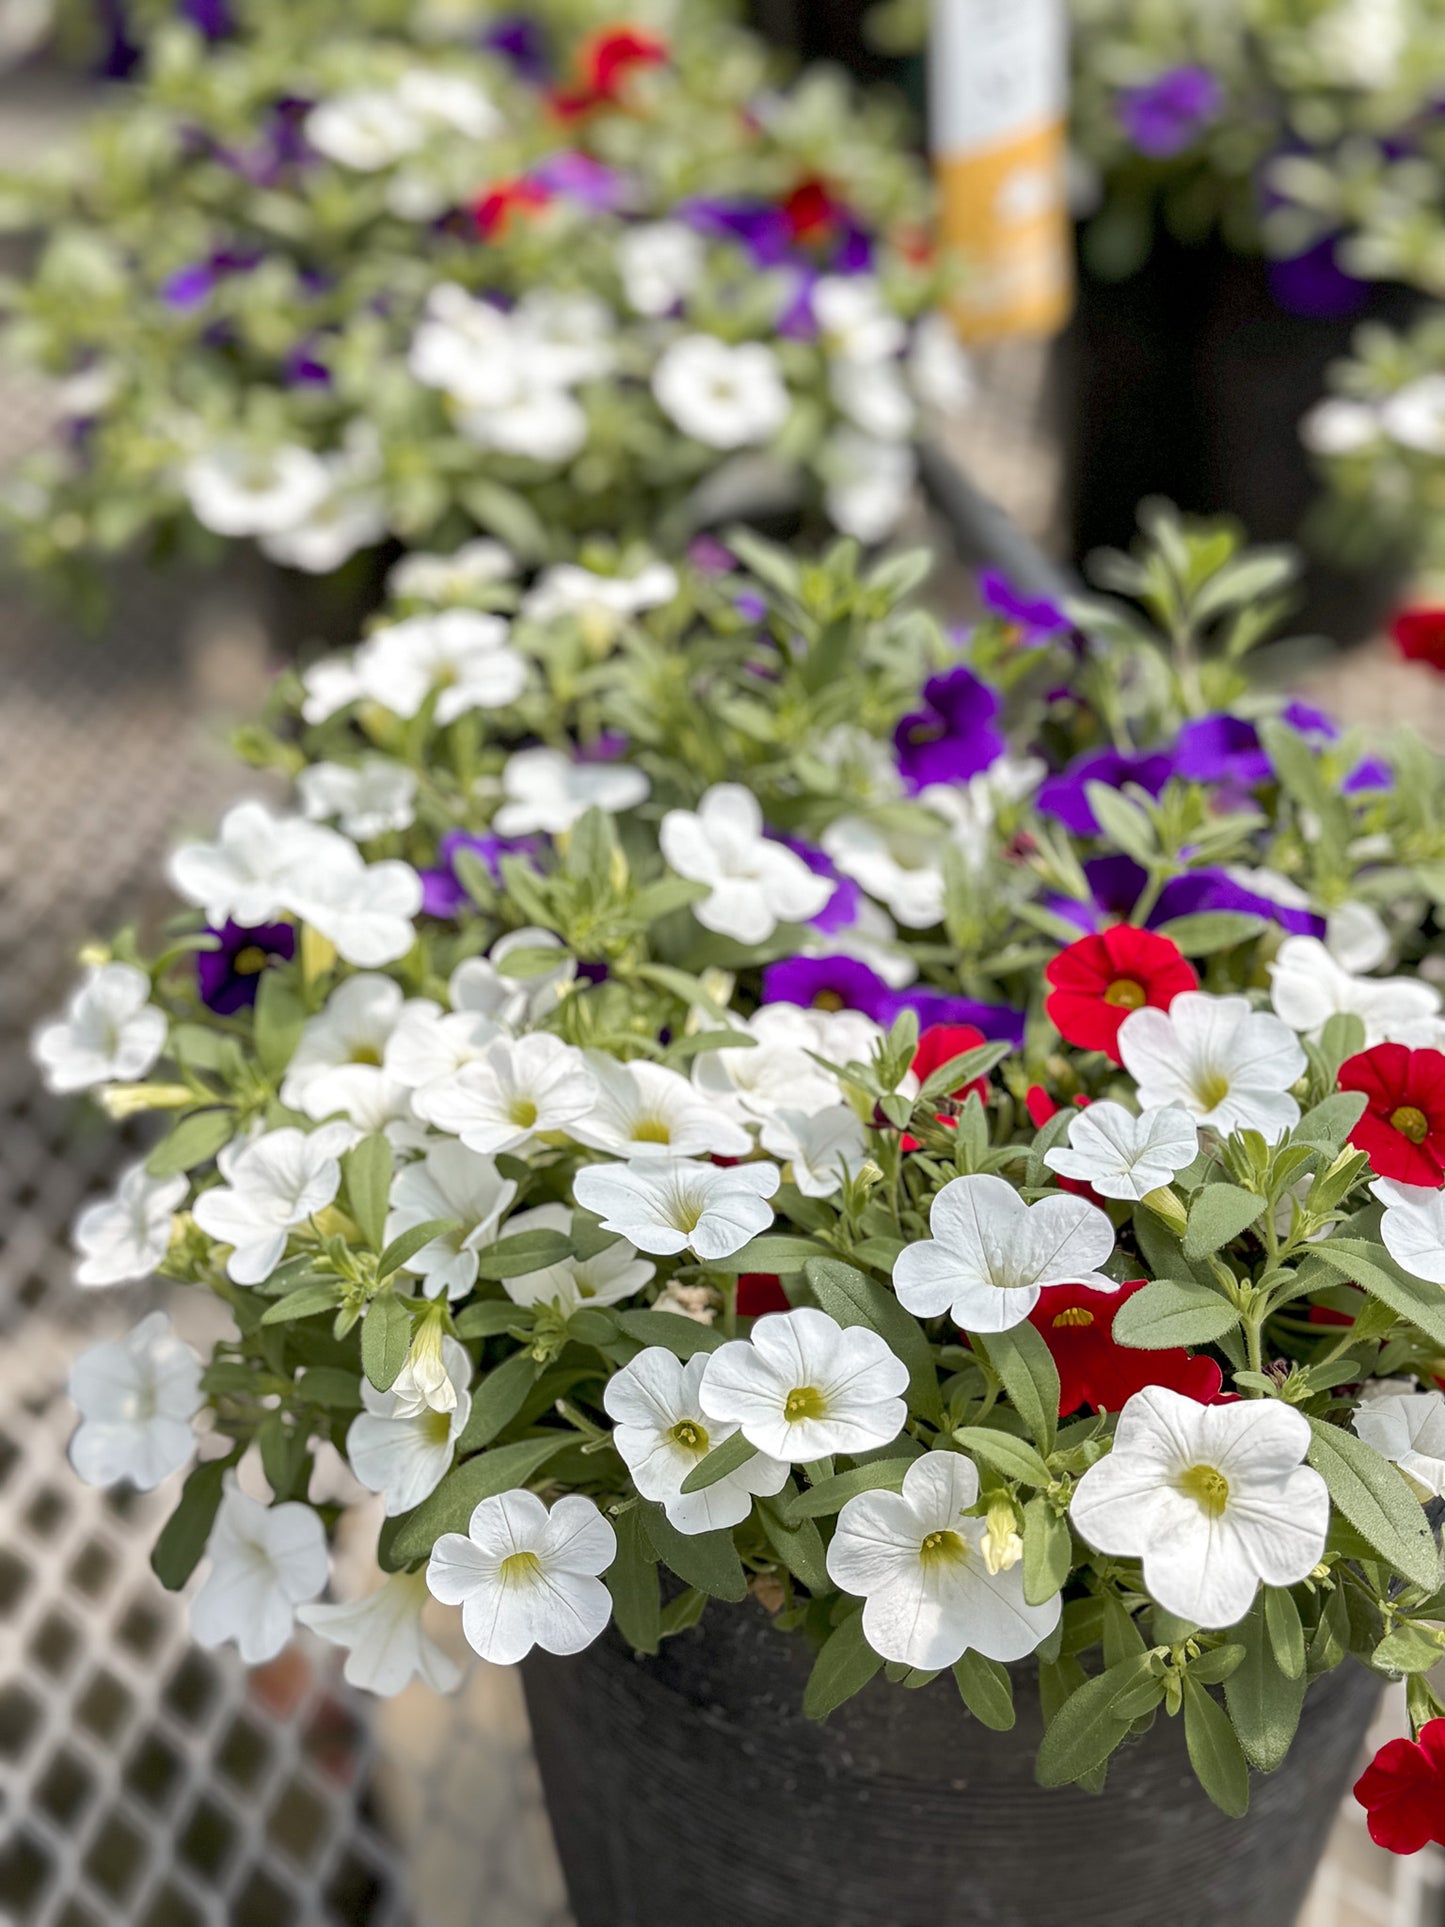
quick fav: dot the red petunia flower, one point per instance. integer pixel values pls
(1077, 1325)
(1403, 1791)
(810, 212)
(1099, 980)
(1419, 635)
(760, 1292)
(1403, 1129)
(604, 63)
(492, 212)
(938, 1045)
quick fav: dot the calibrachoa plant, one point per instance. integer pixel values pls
(319, 289)
(737, 1091)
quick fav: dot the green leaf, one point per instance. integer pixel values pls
(1122, 822)
(775, 1253)
(853, 1299)
(178, 1550)
(280, 1015)
(727, 1457)
(405, 1540)
(707, 1560)
(796, 1541)
(1332, 1119)
(405, 1247)
(1004, 1453)
(1217, 1665)
(831, 1495)
(1086, 1729)
(632, 1581)
(1219, 1215)
(491, 1317)
(331, 1387)
(1025, 1364)
(523, 1252)
(1214, 1752)
(1171, 1312)
(844, 1667)
(194, 1140)
(304, 1303)
(959, 1072)
(684, 1611)
(1263, 1705)
(1286, 1634)
(1376, 1501)
(986, 1690)
(1048, 1551)
(497, 1398)
(683, 1337)
(366, 1171)
(1209, 931)
(385, 1340)
(1372, 1268)
(1408, 1649)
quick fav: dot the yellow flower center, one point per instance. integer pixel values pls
(942, 1548)
(1208, 1488)
(1211, 1089)
(1073, 1315)
(365, 1054)
(828, 1000)
(804, 1402)
(1411, 1123)
(523, 1113)
(519, 1568)
(436, 1428)
(250, 961)
(690, 1436)
(651, 1130)
(1125, 994)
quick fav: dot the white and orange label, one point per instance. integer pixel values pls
(998, 96)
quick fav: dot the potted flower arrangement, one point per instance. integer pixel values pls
(830, 1172)
(332, 291)
(1262, 176)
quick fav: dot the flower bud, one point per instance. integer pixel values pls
(1002, 1546)
(130, 1100)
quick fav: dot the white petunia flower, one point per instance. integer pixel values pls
(245, 875)
(478, 984)
(250, 491)
(1340, 426)
(1408, 1429)
(606, 1278)
(265, 1561)
(903, 870)
(366, 130)
(660, 263)
(526, 1577)
(726, 397)
(354, 1029)
(136, 1397)
(451, 101)
(404, 1449)
(111, 1032)
(919, 1566)
(429, 1045)
(823, 1148)
(874, 399)
(991, 1254)
(1414, 416)
(665, 1205)
(462, 655)
(1309, 987)
(1413, 1227)
(1356, 937)
(568, 589)
(645, 1110)
(1212, 1498)
(1124, 1156)
(663, 1434)
(854, 321)
(365, 909)
(515, 1091)
(331, 685)
(126, 1235)
(1227, 1065)
(939, 369)
(370, 798)
(541, 419)
(351, 516)
(754, 1083)
(802, 1387)
(443, 579)
(271, 1183)
(545, 790)
(450, 1182)
(383, 1638)
(755, 882)
(867, 484)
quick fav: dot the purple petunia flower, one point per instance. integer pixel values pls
(229, 976)
(521, 42)
(828, 983)
(709, 555)
(1065, 796)
(1115, 884)
(1222, 749)
(577, 177)
(954, 736)
(842, 907)
(998, 1022)
(443, 894)
(758, 226)
(1167, 114)
(1313, 284)
(1036, 617)
(213, 18)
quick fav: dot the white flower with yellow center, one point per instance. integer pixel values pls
(525, 1577)
(241, 491)
(923, 1572)
(823, 1150)
(663, 1434)
(754, 882)
(405, 1451)
(646, 1110)
(802, 1387)
(1213, 1498)
(449, 1182)
(722, 395)
(603, 1277)
(353, 1029)
(660, 263)
(670, 1204)
(445, 579)
(126, 1235)
(774, 1073)
(1124, 1156)
(368, 798)
(271, 1183)
(460, 655)
(110, 1033)
(1229, 1066)
(544, 790)
(518, 1090)
(902, 869)
(991, 1254)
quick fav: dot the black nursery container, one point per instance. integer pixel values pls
(1188, 380)
(689, 1787)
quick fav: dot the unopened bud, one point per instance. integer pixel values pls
(130, 1100)
(1002, 1547)
(1164, 1204)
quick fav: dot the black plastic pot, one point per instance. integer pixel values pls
(689, 1787)
(1188, 380)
